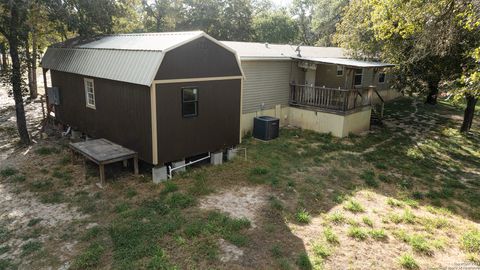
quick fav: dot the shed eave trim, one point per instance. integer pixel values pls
(203, 79)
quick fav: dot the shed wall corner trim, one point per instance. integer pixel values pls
(153, 107)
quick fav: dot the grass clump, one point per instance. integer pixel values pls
(180, 200)
(420, 244)
(369, 177)
(367, 221)
(354, 206)
(408, 262)
(378, 234)
(160, 261)
(321, 250)
(394, 203)
(90, 258)
(259, 171)
(169, 187)
(357, 233)
(276, 251)
(330, 236)
(336, 218)
(303, 216)
(471, 241)
(31, 247)
(45, 151)
(34, 221)
(7, 172)
(303, 262)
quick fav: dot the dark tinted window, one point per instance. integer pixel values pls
(189, 102)
(358, 77)
(381, 77)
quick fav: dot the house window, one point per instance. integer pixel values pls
(358, 77)
(189, 102)
(89, 93)
(381, 77)
(339, 70)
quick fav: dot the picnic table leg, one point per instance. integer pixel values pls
(135, 164)
(102, 174)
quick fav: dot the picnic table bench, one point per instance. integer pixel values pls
(103, 152)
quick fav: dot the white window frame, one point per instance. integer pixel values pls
(355, 74)
(87, 92)
(384, 77)
(342, 68)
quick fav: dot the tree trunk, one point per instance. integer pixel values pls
(469, 113)
(34, 89)
(29, 68)
(432, 92)
(3, 51)
(16, 79)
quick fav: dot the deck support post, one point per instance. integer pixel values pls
(159, 174)
(135, 164)
(231, 154)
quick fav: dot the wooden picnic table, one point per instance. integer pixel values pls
(103, 152)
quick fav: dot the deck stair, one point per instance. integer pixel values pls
(377, 110)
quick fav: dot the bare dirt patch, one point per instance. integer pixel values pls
(229, 252)
(239, 202)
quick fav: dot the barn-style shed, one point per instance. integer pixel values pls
(167, 96)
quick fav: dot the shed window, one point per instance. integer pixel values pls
(339, 70)
(89, 93)
(190, 102)
(381, 77)
(358, 77)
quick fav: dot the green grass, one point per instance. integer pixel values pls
(336, 218)
(34, 221)
(471, 241)
(6, 172)
(169, 187)
(394, 203)
(354, 206)
(89, 258)
(45, 150)
(330, 236)
(31, 247)
(303, 216)
(369, 177)
(321, 250)
(408, 262)
(367, 221)
(357, 233)
(303, 262)
(378, 234)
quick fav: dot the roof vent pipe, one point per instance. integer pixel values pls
(266, 44)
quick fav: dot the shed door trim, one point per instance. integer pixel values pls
(153, 106)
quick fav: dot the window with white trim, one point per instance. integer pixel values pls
(89, 93)
(381, 77)
(339, 70)
(358, 77)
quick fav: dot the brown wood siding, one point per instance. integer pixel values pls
(197, 59)
(326, 75)
(216, 126)
(122, 113)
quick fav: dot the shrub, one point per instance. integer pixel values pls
(303, 216)
(353, 206)
(408, 262)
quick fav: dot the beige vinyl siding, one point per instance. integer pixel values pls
(267, 82)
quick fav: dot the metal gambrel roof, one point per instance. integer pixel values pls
(132, 58)
(137, 67)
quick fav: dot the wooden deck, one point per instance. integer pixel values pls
(103, 152)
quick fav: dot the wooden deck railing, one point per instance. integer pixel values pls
(334, 99)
